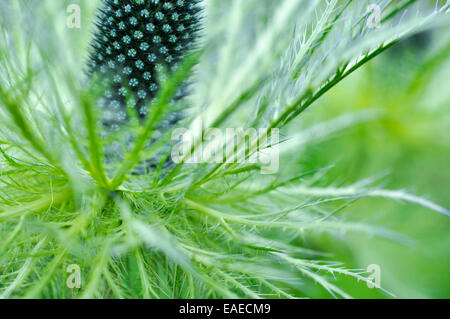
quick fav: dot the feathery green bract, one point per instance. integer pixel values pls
(198, 230)
(135, 40)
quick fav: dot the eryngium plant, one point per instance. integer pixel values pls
(198, 230)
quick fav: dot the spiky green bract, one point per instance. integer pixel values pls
(135, 41)
(201, 230)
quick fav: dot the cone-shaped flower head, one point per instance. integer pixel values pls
(135, 39)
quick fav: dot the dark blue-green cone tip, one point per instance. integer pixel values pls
(134, 40)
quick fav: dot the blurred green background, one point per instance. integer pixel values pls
(409, 142)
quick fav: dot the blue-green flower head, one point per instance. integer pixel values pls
(136, 38)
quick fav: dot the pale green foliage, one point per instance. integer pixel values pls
(187, 231)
